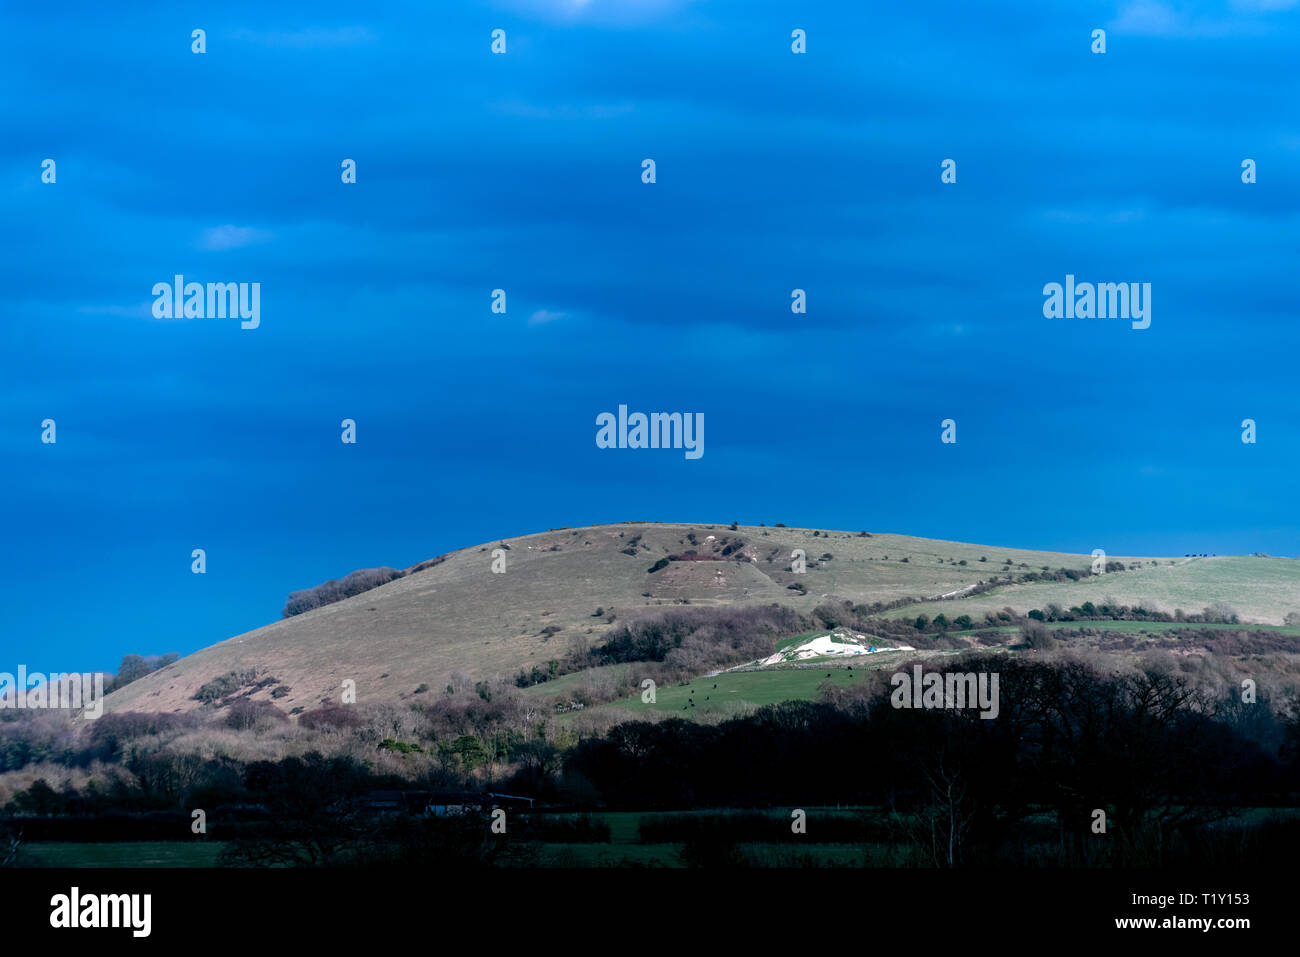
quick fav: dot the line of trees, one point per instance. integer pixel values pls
(1156, 755)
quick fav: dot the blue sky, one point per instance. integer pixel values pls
(522, 171)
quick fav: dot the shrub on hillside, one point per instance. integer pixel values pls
(338, 589)
(429, 563)
(832, 615)
(108, 737)
(1221, 613)
(1038, 637)
(225, 685)
(132, 668)
(126, 725)
(247, 715)
(330, 716)
(700, 636)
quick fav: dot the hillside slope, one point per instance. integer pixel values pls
(459, 616)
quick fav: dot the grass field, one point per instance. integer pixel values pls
(566, 684)
(622, 851)
(1133, 627)
(755, 854)
(124, 854)
(1263, 590)
(768, 686)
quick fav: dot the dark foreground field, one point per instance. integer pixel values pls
(836, 837)
(718, 838)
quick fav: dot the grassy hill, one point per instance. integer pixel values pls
(459, 618)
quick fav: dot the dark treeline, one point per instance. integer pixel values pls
(1218, 641)
(1157, 756)
(1216, 613)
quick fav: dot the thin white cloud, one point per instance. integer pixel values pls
(1188, 18)
(1266, 5)
(609, 11)
(1149, 18)
(564, 111)
(311, 38)
(221, 238)
(1110, 217)
(143, 310)
(543, 316)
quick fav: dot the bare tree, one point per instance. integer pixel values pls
(10, 842)
(947, 817)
